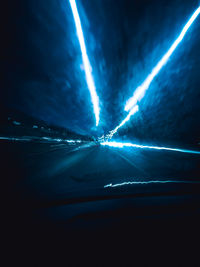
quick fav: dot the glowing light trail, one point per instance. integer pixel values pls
(132, 112)
(39, 139)
(121, 145)
(86, 62)
(15, 138)
(149, 182)
(140, 91)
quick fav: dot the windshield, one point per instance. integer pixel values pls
(98, 95)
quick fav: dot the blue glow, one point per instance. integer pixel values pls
(140, 91)
(148, 182)
(86, 62)
(122, 145)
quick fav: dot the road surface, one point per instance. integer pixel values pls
(53, 193)
(51, 171)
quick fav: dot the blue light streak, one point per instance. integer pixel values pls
(148, 182)
(86, 62)
(122, 145)
(39, 139)
(141, 90)
(16, 138)
(132, 112)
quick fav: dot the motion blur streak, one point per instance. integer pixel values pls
(121, 145)
(132, 112)
(140, 91)
(38, 139)
(86, 63)
(15, 138)
(148, 182)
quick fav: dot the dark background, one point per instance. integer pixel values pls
(42, 72)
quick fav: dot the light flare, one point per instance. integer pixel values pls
(86, 62)
(141, 90)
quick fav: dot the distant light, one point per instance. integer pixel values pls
(141, 90)
(57, 139)
(16, 123)
(70, 141)
(86, 62)
(122, 145)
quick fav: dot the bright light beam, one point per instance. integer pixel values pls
(132, 112)
(121, 145)
(139, 93)
(86, 62)
(141, 90)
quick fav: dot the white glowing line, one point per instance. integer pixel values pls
(86, 63)
(132, 112)
(149, 182)
(121, 145)
(140, 91)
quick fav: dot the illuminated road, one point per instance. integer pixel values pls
(55, 171)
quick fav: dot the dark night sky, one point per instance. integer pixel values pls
(43, 76)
